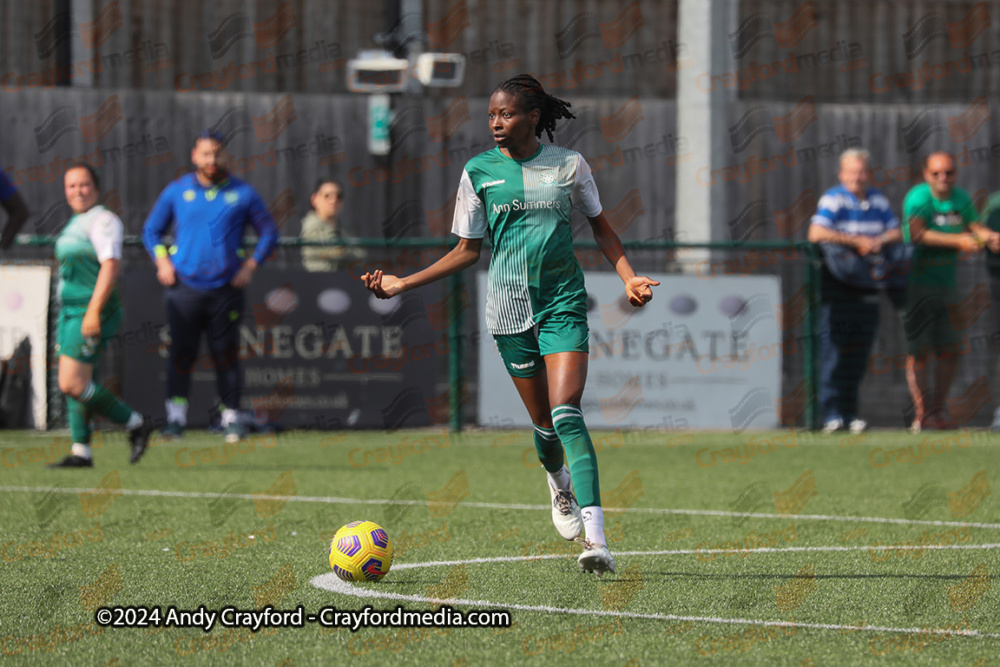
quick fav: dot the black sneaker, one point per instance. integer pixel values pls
(139, 437)
(73, 461)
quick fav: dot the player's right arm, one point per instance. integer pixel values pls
(459, 258)
(157, 223)
(469, 224)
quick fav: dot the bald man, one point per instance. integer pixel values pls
(941, 220)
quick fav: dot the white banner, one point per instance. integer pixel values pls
(706, 353)
(24, 308)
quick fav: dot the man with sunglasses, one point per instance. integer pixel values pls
(941, 220)
(323, 223)
(990, 219)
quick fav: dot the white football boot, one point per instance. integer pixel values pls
(566, 514)
(596, 558)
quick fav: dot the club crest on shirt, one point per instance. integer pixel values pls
(547, 177)
(232, 197)
(946, 219)
(189, 195)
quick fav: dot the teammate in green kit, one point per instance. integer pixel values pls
(941, 220)
(521, 194)
(89, 252)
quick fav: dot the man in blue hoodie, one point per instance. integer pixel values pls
(205, 272)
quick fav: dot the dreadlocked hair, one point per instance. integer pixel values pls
(533, 96)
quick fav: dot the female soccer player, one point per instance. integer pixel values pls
(89, 252)
(520, 193)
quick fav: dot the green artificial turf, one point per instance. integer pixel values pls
(83, 539)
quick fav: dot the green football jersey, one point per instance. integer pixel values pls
(87, 240)
(525, 207)
(991, 218)
(933, 265)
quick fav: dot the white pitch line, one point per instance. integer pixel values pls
(688, 552)
(331, 582)
(502, 506)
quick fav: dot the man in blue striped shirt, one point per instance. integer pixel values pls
(856, 229)
(205, 272)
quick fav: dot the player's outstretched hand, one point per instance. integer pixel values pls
(639, 290)
(382, 285)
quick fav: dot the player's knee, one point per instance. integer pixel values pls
(71, 385)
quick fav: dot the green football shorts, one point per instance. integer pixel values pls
(522, 352)
(71, 341)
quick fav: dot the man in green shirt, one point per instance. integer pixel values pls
(941, 220)
(990, 219)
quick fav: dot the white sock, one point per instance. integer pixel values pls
(229, 416)
(177, 411)
(560, 480)
(81, 450)
(593, 524)
(134, 421)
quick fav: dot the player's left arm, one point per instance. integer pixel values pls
(585, 199)
(638, 288)
(106, 235)
(107, 278)
(267, 239)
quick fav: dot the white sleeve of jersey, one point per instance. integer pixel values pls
(584, 195)
(470, 218)
(106, 233)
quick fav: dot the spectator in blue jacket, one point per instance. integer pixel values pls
(860, 239)
(205, 272)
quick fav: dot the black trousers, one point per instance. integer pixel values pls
(217, 312)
